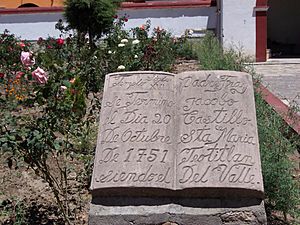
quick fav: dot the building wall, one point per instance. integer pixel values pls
(239, 24)
(174, 20)
(35, 25)
(31, 26)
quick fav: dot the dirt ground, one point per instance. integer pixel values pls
(23, 194)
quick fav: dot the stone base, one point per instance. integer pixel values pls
(181, 211)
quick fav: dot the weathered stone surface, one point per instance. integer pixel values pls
(194, 131)
(218, 141)
(183, 211)
(136, 140)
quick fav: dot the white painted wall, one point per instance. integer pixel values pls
(239, 24)
(174, 20)
(33, 26)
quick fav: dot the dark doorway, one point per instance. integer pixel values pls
(284, 28)
(27, 5)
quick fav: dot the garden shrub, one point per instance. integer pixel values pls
(92, 17)
(38, 126)
(138, 49)
(281, 190)
(212, 56)
(276, 145)
(50, 101)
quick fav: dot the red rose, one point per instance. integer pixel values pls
(73, 91)
(22, 45)
(126, 19)
(115, 16)
(60, 41)
(1, 75)
(40, 40)
(142, 27)
(19, 74)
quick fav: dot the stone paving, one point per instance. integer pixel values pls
(282, 78)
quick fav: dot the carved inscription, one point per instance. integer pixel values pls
(195, 129)
(218, 144)
(136, 142)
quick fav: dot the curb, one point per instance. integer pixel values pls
(291, 118)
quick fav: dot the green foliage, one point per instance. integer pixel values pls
(49, 109)
(39, 128)
(49, 124)
(185, 46)
(213, 57)
(94, 17)
(276, 143)
(282, 190)
(138, 49)
(8, 43)
(14, 211)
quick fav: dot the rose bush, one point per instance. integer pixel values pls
(49, 95)
(139, 49)
(37, 117)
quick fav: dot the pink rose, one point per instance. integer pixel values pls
(72, 81)
(22, 45)
(27, 58)
(40, 76)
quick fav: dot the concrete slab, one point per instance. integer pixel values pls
(282, 78)
(184, 211)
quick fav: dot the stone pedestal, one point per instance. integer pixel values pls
(179, 148)
(183, 211)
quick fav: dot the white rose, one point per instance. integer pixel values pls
(124, 41)
(135, 56)
(63, 88)
(109, 52)
(121, 67)
(134, 42)
(121, 45)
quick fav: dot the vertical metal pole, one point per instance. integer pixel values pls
(220, 21)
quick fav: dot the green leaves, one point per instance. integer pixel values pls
(276, 142)
(66, 83)
(96, 16)
(281, 189)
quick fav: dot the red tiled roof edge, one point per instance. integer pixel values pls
(124, 5)
(31, 10)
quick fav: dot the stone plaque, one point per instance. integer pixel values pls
(189, 131)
